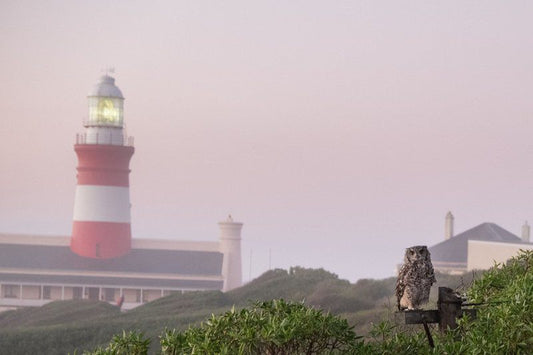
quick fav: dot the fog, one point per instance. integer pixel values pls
(339, 133)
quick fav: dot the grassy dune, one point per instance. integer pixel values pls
(64, 326)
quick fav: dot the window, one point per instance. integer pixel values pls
(10, 291)
(53, 292)
(131, 295)
(92, 293)
(31, 292)
(150, 295)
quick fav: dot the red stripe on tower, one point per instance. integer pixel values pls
(102, 224)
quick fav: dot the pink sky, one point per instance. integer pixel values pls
(338, 132)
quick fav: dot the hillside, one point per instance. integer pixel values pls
(61, 327)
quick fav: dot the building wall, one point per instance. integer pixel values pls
(38, 295)
(452, 268)
(32, 239)
(483, 255)
(18, 293)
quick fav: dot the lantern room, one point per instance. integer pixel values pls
(106, 104)
(105, 124)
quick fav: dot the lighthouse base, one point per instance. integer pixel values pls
(100, 240)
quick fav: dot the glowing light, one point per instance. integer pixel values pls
(107, 113)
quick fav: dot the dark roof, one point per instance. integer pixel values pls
(184, 262)
(455, 249)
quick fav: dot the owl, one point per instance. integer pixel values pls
(415, 278)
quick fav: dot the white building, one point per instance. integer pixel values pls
(476, 248)
(35, 270)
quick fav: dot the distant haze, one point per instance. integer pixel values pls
(339, 132)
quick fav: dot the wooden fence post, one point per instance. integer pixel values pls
(449, 309)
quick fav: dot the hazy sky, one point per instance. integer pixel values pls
(339, 132)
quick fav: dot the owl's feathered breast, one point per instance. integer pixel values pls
(415, 278)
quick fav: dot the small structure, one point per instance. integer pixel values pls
(476, 248)
(230, 246)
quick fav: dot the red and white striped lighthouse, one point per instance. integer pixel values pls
(101, 227)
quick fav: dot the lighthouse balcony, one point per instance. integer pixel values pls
(104, 137)
(88, 122)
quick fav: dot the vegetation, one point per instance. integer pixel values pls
(129, 343)
(272, 327)
(504, 324)
(66, 326)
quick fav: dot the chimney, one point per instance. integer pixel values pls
(448, 226)
(525, 232)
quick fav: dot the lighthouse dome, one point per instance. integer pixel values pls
(106, 87)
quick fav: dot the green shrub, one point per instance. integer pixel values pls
(272, 327)
(504, 323)
(129, 343)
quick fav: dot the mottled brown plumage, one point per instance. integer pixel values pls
(415, 278)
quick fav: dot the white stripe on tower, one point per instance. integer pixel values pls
(102, 204)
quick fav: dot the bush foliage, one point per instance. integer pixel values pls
(504, 324)
(272, 327)
(129, 343)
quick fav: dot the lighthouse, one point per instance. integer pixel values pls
(101, 223)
